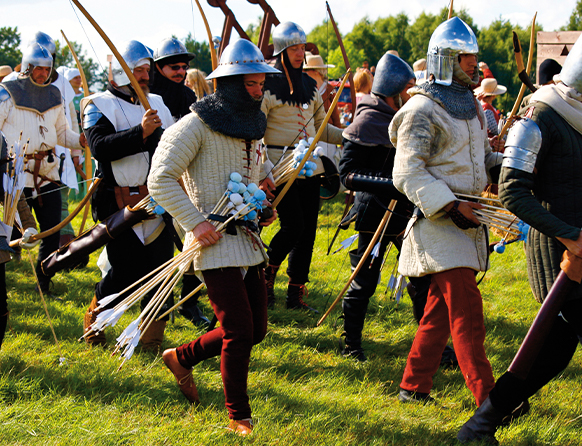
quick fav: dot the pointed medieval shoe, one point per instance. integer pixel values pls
(183, 375)
(406, 396)
(88, 319)
(295, 295)
(270, 274)
(482, 425)
(241, 427)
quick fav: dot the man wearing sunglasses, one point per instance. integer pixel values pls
(171, 60)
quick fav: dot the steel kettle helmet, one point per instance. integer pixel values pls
(171, 47)
(287, 34)
(134, 53)
(241, 57)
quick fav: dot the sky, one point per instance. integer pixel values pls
(150, 21)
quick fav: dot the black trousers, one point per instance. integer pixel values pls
(130, 260)
(3, 293)
(298, 217)
(556, 353)
(48, 216)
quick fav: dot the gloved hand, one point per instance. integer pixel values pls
(461, 220)
(28, 233)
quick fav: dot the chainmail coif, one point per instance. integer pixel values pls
(232, 111)
(456, 99)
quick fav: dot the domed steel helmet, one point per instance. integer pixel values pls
(287, 34)
(392, 75)
(170, 48)
(134, 53)
(44, 40)
(35, 55)
(449, 40)
(241, 57)
(571, 73)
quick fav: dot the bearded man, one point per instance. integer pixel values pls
(123, 138)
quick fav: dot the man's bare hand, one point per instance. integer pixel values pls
(574, 246)
(150, 122)
(83, 140)
(268, 187)
(497, 145)
(206, 234)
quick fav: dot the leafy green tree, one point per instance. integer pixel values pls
(392, 32)
(496, 49)
(324, 37)
(254, 30)
(9, 42)
(419, 33)
(203, 60)
(355, 56)
(96, 77)
(575, 22)
(363, 36)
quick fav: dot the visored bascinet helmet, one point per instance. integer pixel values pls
(449, 40)
(287, 34)
(135, 54)
(241, 57)
(35, 55)
(571, 73)
(169, 48)
(392, 75)
(45, 40)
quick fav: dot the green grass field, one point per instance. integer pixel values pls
(302, 391)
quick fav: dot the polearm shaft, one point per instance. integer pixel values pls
(381, 226)
(515, 108)
(546, 317)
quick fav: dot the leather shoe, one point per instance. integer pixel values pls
(406, 396)
(183, 375)
(241, 427)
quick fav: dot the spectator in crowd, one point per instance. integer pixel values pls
(317, 70)
(362, 83)
(486, 94)
(419, 68)
(196, 80)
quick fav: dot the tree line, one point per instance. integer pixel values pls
(367, 41)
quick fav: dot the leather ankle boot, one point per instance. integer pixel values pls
(152, 338)
(482, 425)
(295, 295)
(88, 319)
(270, 274)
